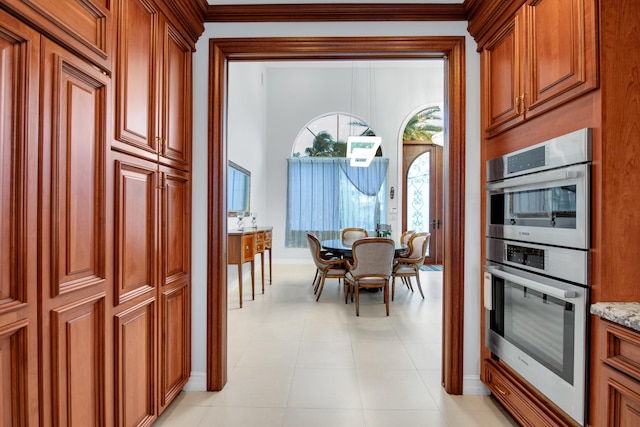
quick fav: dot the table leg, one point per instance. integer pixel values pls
(253, 282)
(262, 269)
(240, 282)
(270, 266)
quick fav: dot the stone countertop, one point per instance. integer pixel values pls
(623, 313)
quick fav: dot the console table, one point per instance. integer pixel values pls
(242, 246)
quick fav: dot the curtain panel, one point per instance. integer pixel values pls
(325, 195)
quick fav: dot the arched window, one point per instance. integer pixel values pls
(326, 135)
(325, 193)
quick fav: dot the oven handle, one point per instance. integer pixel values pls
(537, 286)
(550, 176)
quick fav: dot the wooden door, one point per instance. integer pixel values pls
(19, 79)
(422, 204)
(76, 281)
(503, 70)
(175, 289)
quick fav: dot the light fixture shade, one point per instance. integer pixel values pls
(362, 149)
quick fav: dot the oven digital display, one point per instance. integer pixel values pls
(526, 256)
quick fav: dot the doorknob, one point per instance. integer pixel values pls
(436, 223)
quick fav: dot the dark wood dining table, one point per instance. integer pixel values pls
(338, 247)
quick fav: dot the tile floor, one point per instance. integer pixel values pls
(295, 362)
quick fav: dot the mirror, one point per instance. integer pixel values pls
(238, 189)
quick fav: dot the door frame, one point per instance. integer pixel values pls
(223, 50)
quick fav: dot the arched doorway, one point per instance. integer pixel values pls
(224, 50)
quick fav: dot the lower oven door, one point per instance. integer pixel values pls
(537, 326)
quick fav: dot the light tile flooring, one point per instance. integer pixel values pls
(295, 362)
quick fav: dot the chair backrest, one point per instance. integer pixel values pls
(418, 245)
(406, 235)
(314, 247)
(373, 257)
(350, 235)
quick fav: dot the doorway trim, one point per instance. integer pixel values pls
(221, 51)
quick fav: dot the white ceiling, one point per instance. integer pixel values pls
(219, 2)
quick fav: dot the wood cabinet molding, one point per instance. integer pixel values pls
(332, 12)
(484, 16)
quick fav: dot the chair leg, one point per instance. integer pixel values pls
(386, 296)
(393, 287)
(321, 288)
(315, 278)
(357, 289)
(419, 286)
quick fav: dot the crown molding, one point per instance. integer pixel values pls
(334, 12)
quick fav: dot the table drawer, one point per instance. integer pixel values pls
(247, 248)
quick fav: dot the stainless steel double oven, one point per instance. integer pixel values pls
(536, 276)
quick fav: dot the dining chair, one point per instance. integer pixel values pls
(404, 240)
(408, 265)
(327, 266)
(370, 269)
(350, 235)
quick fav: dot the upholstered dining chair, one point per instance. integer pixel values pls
(350, 235)
(371, 268)
(408, 265)
(404, 239)
(327, 266)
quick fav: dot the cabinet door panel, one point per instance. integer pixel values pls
(135, 229)
(73, 230)
(503, 70)
(135, 365)
(135, 80)
(176, 120)
(16, 394)
(175, 343)
(176, 212)
(78, 339)
(562, 62)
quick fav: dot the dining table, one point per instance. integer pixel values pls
(343, 249)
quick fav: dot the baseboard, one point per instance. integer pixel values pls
(197, 382)
(471, 385)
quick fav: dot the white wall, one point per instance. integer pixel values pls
(471, 369)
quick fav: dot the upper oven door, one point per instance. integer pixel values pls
(550, 207)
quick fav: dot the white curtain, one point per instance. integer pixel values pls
(326, 195)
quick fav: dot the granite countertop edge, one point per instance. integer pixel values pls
(623, 313)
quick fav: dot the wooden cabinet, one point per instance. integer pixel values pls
(95, 288)
(19, 348)
(153, 85)
(620, 358)
(527, 407)
(528, 69)
(243, 246)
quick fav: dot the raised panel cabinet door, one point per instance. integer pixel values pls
(136, 76)
(175, 120)
(74, 116)
(502, 68)
(175, 308)
(19, 83)
(136, 355)
(135, 228)
(85, 25)
(175, 342)
(622, 400)
(561, 52)
(78, 351)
